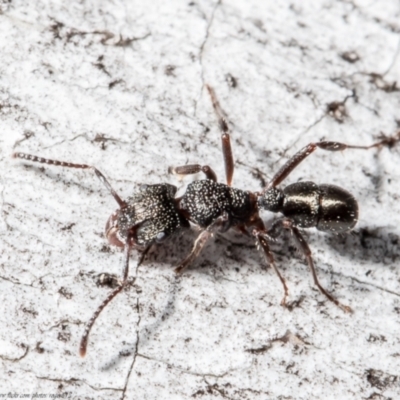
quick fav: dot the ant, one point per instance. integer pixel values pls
(153, 213)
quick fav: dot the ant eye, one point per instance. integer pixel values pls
(161, 237)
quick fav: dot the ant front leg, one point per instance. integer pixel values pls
(294, 161)
(201, 241)
(29, 157)
(225, 137)
(305, 249)
(194, 169)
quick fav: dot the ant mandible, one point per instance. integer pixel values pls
(153, 213)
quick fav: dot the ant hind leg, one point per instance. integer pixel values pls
(305, 249)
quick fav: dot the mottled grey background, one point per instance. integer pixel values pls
(120, 85)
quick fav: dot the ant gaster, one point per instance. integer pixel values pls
(154, 213)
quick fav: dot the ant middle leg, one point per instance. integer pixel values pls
(294, 161)
(305, 249)
(226, 149)
(193, 169)
(225, 137)
(262, 242)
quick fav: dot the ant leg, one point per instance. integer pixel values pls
(305, 249)
(194, 169)
(118, 289)
(111, 280)
(201, 241)
(294, 161)
(225, 137)
(29, 157)
(262, 242)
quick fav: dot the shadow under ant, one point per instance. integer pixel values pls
(378, 245)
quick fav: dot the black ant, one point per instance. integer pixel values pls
(154, 213)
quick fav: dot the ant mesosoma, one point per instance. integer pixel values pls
(154, 213)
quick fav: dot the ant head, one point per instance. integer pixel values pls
(271, 200)
(150, 215)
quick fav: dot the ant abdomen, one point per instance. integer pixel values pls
(328, 208)
(338, 210)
